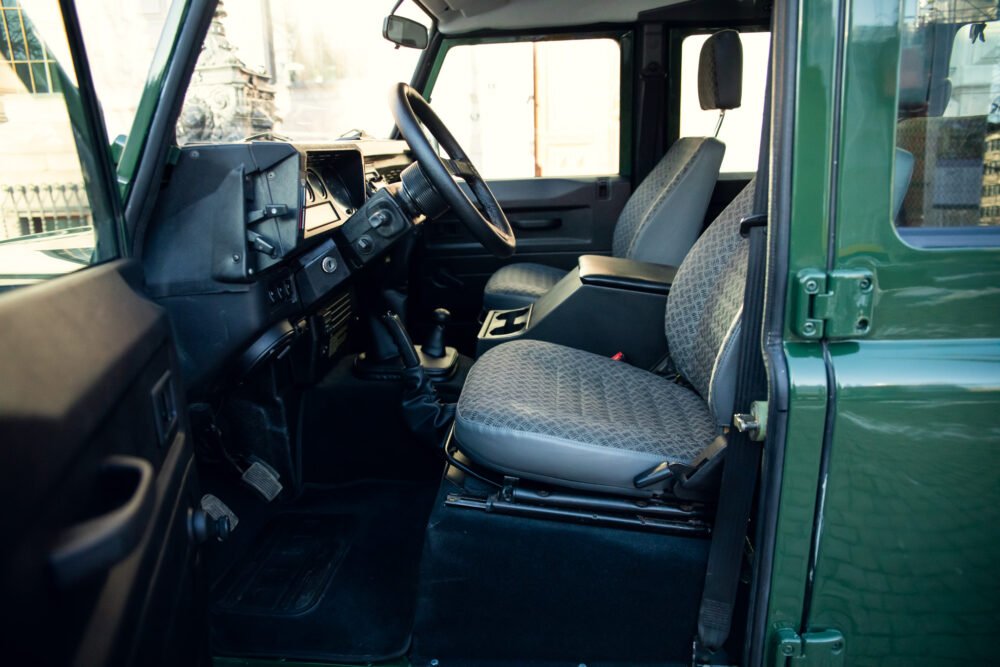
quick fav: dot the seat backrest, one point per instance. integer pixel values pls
(704, 308)
(662, 219)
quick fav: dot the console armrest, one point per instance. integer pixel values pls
(626, 274)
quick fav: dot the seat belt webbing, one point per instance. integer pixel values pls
(742, 455)
(651, 101)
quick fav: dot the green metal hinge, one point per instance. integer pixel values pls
(835, 304)
(813, 649)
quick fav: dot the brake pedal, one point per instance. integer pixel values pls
(263, 479)
(217, 509)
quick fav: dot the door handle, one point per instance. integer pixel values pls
(536, 224)
(121, 509)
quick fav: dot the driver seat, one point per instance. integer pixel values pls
(545, 412)
(663, 217)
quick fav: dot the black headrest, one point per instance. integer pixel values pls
(720, 71)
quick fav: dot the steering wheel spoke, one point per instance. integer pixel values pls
(480, 213)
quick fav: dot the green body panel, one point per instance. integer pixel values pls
(135, 143)
(806, 370)
(910, 530)
(798, 488)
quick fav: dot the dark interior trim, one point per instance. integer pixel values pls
(784, 41)
(162, 130)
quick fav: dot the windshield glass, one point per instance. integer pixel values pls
(307, 70)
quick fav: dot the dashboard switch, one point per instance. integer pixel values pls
(365, 245)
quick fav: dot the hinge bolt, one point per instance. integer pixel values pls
(812, 286)
(865, 284)
(808, 328)
(787, 649)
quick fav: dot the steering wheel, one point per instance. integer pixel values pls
(489, 225)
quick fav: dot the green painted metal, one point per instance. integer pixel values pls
(135, 143)
(808, 235)
(824, 648)
(910, 530)
(835, 304)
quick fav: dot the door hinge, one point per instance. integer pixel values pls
(834, 304)
(824, 648)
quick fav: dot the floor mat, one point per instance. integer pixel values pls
(332, 576)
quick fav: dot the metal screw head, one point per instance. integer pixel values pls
(195, 155)
(787, 649)
(270, 175)
(809, 328)
(865, 284)
(812, 286)
(434, 662)
(236, 257)
(836, 646)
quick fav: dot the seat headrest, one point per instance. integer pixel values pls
(720, 71)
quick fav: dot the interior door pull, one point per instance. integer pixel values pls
(536, 224)
(114, 525)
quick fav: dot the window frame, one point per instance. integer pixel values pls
(937, 239)
(622, 35)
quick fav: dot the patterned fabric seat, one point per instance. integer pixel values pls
(662, 218)
(551, 413)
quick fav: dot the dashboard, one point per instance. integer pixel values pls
(255, 246)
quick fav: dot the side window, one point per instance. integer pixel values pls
(541, 108)
(740, 130)
(48, 200)
(948, 122)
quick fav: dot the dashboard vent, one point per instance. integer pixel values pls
(337, 314)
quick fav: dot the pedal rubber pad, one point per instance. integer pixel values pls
(263, 479)
(217, 509)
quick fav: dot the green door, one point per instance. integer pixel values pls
(889, 519)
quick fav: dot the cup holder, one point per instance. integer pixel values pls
(508, 322)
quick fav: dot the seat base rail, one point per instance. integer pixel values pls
(612, 512)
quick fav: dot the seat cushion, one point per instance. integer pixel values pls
(551, 413)
(519, 285)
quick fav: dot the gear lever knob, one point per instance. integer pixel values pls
(435, 342)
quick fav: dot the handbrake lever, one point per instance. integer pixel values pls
(407, 351)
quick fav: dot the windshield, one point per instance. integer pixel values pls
(306, 70)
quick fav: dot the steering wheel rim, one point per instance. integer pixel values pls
(492, 230)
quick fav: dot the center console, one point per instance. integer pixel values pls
(606, 305)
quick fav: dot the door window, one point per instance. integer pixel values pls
(53, 215)
(740, 130)
(534, 108)
(948, 126)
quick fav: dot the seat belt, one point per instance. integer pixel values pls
(652, 80)
(742, 454)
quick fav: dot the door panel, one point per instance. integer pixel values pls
(555, 220)
(90, 393)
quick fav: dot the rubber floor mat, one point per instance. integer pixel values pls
(330, 577)
(289, 568)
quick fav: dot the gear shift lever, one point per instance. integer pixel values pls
(426, 416)
(435, 342)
